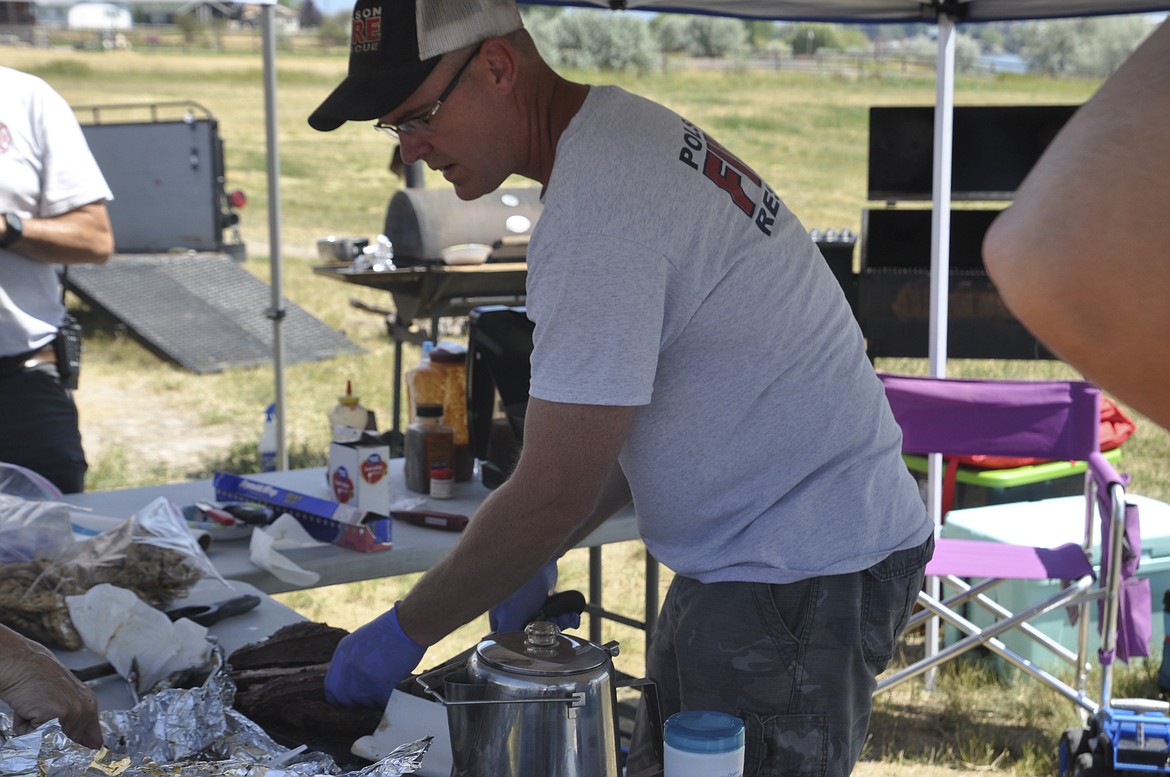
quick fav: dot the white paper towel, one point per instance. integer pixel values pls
(285, 533)
(116, 624)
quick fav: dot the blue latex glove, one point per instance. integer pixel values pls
(514, 613)
(370, 662)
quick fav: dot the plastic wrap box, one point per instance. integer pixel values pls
(976, 487)
(324, 519)
(1048, 523)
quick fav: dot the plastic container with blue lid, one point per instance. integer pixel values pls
(703, 743)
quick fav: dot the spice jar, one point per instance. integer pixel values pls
(429, 444)
(442, 483)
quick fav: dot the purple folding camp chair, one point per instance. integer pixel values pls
(1057, 420)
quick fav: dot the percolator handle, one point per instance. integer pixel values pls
(574, 699)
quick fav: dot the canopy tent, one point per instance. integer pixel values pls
(945, 14)
(879, 11)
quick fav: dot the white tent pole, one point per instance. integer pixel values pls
(940, 261)
(940, 226)
(276, 311)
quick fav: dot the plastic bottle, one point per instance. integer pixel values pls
(347, 415)
(429, 445)
(440, 377)
(701, 743)
(421, 382)
(268, 440)
(451, 361)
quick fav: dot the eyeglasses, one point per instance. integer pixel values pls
(421, 122)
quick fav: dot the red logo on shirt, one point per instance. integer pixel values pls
(725, 170)
(5, 138)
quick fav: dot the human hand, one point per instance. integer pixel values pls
(514, 613)
(39, 688)
(370, 662)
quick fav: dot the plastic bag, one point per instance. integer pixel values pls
(152, 554)
(33, 530)
(16, 480)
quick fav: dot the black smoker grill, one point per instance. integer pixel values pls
(894, 290)
(422, 222)
(995, 146)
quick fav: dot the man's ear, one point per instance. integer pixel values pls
(502, 63)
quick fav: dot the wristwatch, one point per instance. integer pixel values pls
(15, 228)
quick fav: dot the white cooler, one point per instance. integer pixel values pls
(1048, 523)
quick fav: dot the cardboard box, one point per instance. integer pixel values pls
(359, 473)
(325, 520)
(1048, 523)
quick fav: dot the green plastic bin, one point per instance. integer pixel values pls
(976, 487)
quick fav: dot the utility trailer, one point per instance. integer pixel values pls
(164, 162)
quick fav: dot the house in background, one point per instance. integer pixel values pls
(82, 15)
(21, 15)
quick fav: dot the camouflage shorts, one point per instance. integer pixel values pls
(797, 662)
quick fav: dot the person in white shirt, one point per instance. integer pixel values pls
(52, 213)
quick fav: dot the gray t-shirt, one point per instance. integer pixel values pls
(664, 274)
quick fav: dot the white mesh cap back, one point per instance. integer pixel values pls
(449, 25)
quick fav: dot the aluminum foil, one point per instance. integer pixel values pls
(181, 732)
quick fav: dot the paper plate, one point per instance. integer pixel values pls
(466, 253)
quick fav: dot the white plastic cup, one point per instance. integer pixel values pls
(703, 743)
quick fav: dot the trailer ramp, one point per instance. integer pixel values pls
(204, 312)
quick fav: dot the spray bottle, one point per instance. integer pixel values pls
(268, 440)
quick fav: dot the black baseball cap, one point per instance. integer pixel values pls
(384, 65)
(394, 46)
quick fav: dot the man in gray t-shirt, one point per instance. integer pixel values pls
(692, 354)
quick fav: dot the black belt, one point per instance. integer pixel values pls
(14, 365)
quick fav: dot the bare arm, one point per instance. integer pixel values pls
(39, 688)
(1082, 257)
(569, 455)
(81, 236)
(615, 494)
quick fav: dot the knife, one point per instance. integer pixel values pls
(432, 519)
(207, 614)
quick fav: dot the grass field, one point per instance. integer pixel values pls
(146, 421)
